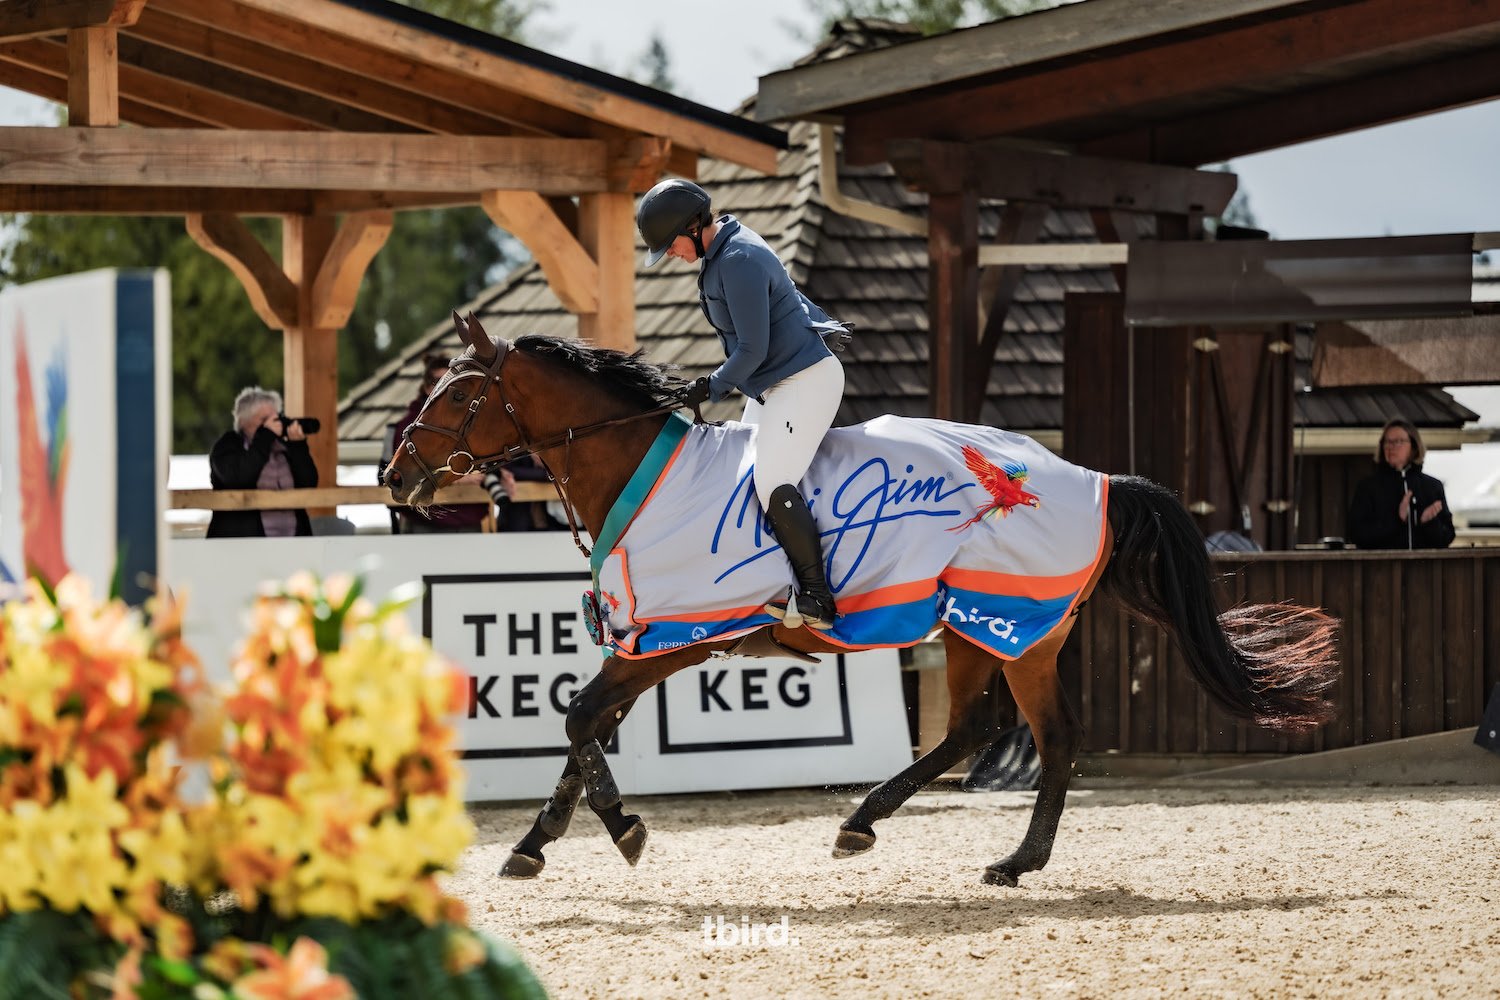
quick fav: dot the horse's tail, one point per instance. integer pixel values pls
(1267, 662)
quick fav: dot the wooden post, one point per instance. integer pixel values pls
(93, 76)
(606, 228)
(310, 386)
(952, 298)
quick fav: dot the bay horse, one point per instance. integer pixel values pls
(590, 415)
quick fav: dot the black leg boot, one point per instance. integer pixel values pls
(798, 535)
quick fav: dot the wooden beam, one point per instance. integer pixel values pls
(1068, 181)
(319, 160)
(101, 200)
(55, 88)
(1319, 39)
(1069, 31)
(1448, 351)
(571, 272)
(252, 90)
(1450, 82)
(35, 18)
(637, 164)
(329, 496)
(310, 354)
(953, 299)
(93, 76)
(205, 106)
(359, 239)
(272, 295)
(532, 81)
(314, 76)
(606, 231)
(371, 61)
(1020, 225)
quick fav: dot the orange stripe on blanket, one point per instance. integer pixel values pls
(885, 597)
(1041, 588)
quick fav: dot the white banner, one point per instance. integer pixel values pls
(85, 418)
(726, 724)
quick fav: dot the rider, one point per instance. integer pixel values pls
(772, 337)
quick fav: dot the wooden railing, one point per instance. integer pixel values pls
(1419, 647)
(333, 496)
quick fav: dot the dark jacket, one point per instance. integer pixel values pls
(1373, 519)
(452, 517)
(232, 466)
(531, 515)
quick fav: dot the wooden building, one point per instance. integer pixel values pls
(332, 115)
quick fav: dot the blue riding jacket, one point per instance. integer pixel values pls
(769, 330)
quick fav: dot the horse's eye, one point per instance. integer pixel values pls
(457, 395)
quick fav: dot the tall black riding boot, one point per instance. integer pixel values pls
(798, 535)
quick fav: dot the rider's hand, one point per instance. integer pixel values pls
(697, 394)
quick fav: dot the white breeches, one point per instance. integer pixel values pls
(790, 424)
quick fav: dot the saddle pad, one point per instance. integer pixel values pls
(922, 521)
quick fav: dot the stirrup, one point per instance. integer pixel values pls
(792, 617)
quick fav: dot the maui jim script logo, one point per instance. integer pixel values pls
(869, 498)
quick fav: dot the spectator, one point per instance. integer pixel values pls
(513, 516)
(453, 517)
(1397, 506)
(262, 452)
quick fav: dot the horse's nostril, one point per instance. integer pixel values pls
(393, 479)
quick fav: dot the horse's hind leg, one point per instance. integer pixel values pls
(1039, 695)
(972, 674)
(627, 832)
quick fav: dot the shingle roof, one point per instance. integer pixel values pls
(859, 272)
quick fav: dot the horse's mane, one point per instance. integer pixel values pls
(633, 377)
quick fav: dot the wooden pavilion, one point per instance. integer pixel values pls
(332, 115)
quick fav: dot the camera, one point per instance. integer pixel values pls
(310, 425)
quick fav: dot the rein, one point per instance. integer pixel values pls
(469, 365)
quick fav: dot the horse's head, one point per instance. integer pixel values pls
(461, 424)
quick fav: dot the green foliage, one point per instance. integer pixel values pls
(46, 954)
(932, 16)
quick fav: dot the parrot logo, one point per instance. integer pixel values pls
(1004, 485)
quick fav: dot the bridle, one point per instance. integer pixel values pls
(470, 365)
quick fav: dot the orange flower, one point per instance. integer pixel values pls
(127, 975)
(302, 975)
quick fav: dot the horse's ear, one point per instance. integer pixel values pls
(462, 328)
(484, 347)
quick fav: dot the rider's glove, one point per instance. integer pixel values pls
(697, 394)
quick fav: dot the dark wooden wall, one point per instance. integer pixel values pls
(1419, 649)
(1206, 412)
(1326, 485)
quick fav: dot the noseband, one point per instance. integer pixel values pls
(469, 365)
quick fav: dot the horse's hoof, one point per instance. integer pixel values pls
(521, 866)
(633, 841)
(1000, 875)
(851, 842)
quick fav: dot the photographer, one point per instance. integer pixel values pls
(265, 451)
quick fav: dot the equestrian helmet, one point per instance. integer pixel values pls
(666, 212)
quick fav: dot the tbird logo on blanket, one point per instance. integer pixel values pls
(1003, 484)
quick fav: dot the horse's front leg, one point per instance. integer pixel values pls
(593, 716)
(526, 859)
